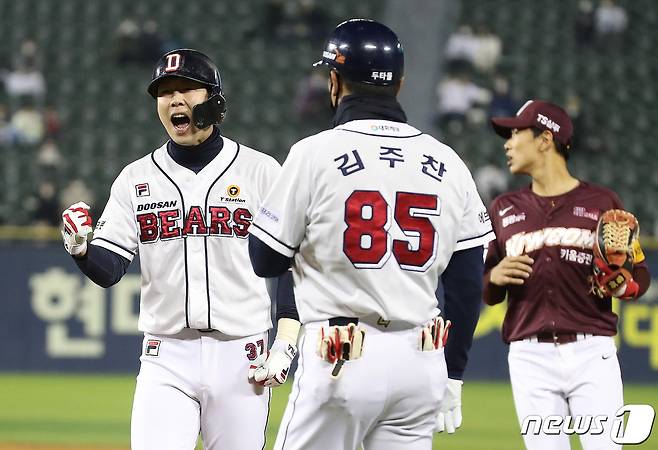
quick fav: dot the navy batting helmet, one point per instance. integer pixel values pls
(365, 51)
(193, 65)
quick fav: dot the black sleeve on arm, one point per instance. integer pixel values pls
(102, 266)
(267, 262)
(462, 286)
(285, 298)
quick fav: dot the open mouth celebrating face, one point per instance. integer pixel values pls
(181, 123)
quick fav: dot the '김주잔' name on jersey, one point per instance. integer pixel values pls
(219, 221)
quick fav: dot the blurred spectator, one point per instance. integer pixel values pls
(75, 191)
(52, 121)
(273, 17)
(315, 22)
(481, 50)
(27, 123)
(28, 55)
(271, 23)
(137, 44)
(49, 155)
(458, 96)
(6, 132)
(461, 45)
(502, 102)
(582, 139)
(47, 209)
(310, 101)
(585, 23)
(151, 43)
(487, 50)
(26, 80)
(610, 21)
(491, 181)
(127, 44)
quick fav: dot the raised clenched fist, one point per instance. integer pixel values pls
(76, 226)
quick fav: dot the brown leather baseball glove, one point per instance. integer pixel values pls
(616, 250)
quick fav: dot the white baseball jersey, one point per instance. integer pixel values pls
(372, 211)
(191, 234)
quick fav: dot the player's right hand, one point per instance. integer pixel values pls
(450, 412)
(512, 270)
(271, 369)
(76, 226)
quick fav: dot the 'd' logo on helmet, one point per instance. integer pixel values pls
(173, 62)
(233, 191)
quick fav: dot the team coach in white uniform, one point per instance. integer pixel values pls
(370, 214)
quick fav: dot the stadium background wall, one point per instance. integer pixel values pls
(56, 320)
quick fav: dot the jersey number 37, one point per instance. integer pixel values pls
(367, 242)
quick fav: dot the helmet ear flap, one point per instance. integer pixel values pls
(210, 112)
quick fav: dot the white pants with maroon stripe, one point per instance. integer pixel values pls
(576, 379)
(386, 400)
(195, 382)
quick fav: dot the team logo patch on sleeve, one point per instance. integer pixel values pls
(152, 347)
(142, 190)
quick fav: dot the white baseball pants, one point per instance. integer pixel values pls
(196, 382)
(575, 379)
(386, 400)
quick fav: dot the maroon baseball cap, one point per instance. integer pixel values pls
(538, 114)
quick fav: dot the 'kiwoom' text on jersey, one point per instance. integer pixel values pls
(190, 231)
(372, 211)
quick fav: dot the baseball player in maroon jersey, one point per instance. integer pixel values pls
(562, 356)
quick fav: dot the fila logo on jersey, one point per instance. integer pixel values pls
(152, 347)
(220, 221)
(142, 190)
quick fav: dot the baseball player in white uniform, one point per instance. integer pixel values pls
(370, 214)
(185, 208)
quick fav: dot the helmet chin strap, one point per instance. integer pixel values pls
(210, 112)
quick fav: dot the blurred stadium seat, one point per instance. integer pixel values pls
(107, 117)
(616, 86)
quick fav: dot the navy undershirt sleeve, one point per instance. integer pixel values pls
(285, 298)
(462, 286)
(102, 266)
(267, 262)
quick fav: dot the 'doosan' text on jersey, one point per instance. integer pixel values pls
(184, 225)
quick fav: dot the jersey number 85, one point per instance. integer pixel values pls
(367, 242)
